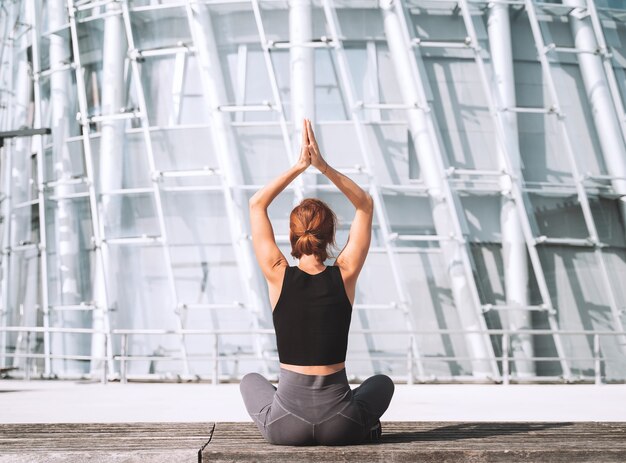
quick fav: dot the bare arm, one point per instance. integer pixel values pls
(352, 257)
(268, 255)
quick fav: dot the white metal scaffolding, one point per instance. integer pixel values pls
(53, 59)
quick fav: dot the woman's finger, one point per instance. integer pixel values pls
(312, 139)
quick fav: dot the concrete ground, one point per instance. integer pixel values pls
(81, 402)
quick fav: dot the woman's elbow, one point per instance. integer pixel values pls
(253, 202)
(368, 203)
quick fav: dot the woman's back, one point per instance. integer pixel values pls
(312, 317)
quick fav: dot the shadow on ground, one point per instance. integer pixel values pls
(468, 431)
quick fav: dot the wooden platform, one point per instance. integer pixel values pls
(402, 442)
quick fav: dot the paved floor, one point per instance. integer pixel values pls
(76, 402)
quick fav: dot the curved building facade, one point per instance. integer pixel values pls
(491, 135)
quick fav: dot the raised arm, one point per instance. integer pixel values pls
(352, 257)
(268, 255)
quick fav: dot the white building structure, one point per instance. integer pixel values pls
(491, 135)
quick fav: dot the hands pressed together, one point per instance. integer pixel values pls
(310, 152)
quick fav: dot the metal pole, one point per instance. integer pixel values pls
(5, 162)
(19, 182)
(301, 60)
(28, 359)
(302, 76)
(410, 362)
(445, 217)
(123, 352)
(597, 366)
(513, 243)
(65, 220)
(602, 107)
(43, 233)
(505, 359)
(104, 361)
(111, 145)
(216, 364)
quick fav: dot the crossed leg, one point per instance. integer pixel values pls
(258, 394)
(374, 396)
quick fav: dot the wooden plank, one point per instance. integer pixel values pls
(402, 441)
(438, 442)
(103, 442)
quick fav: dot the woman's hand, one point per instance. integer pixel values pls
(316, 157)
(304, 160)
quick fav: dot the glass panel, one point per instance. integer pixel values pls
(329, 101)
(190, 106)
(90, 44)
(558, 216)
(489, 272)
(65, 122)
(454, 88)
(173, 91)
(395, 162)
(196, 218)
(462, 113)
(183, 149)
(579, 295)
(388, 84)
(281, 64)
(613, 346)
(258, 89)
(540, 141)
(571, 94)
(275, 16)
(160, 27)
(357, 22)
(482, 215)
(167, 103)
(130, 215)
(19, 150)
(615, 36)
(126, 164)
(433, 308)
(618, 4)
(608, 220)
(409, 214)
(261, 152)
(339, 145)
(144, 301)
(68, 232)
(206, 274)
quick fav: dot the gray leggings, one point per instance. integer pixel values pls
(312, 409)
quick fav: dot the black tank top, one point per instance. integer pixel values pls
(312, 317)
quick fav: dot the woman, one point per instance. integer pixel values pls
(311, 310)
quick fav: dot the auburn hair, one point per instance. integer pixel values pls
(312, 229)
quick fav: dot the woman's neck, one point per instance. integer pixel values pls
(310, 263)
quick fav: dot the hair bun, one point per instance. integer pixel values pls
(311, 228)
